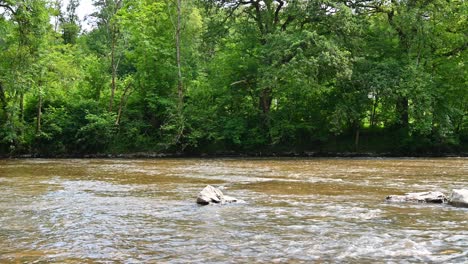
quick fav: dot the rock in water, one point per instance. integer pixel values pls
(419, 197)
(211, 194)
(229, 199)
(459, 197)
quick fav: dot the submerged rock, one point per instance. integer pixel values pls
(419, 197)
(459, 197)
(230, 199)
(211, 194)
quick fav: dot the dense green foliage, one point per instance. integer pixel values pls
(223, 76)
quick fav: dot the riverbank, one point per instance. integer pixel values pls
(370, 143)
(152, 155)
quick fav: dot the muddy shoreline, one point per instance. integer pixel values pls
(152, 155)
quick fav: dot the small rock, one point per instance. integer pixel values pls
(229, 199)
(459, 197)
(419, 197)
(211, 194)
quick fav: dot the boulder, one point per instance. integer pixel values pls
(211, 194)
(419, 197)
(459, 197)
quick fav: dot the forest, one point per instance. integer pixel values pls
(221, 77)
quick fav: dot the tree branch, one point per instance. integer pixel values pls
(231, 12)
(259, 17)
(278, 8)
(9, 8)
(456, 50)
(289, 19)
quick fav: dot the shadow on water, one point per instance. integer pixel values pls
(296, 211)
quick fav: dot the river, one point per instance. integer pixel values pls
(296, 211)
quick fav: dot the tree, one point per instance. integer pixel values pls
(28, 22)
(69, 22)
(234, 75)
(106, 21)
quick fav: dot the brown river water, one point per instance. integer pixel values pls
(295, 211)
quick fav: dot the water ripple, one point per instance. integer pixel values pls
(296, 211)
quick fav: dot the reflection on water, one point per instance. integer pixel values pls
(297, 211)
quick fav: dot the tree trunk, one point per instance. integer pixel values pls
(265, 100)
(3, 98)
(4, 103)
(356, 138)
(123, 101)
(374, 110)
(180, 90)
(180, 86)
(22, 106)
(119, 112)
(402, 110)
(39, 114)
(114, 70)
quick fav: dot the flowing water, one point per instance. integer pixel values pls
(295, 211)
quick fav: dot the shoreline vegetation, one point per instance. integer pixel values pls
(234, 78)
